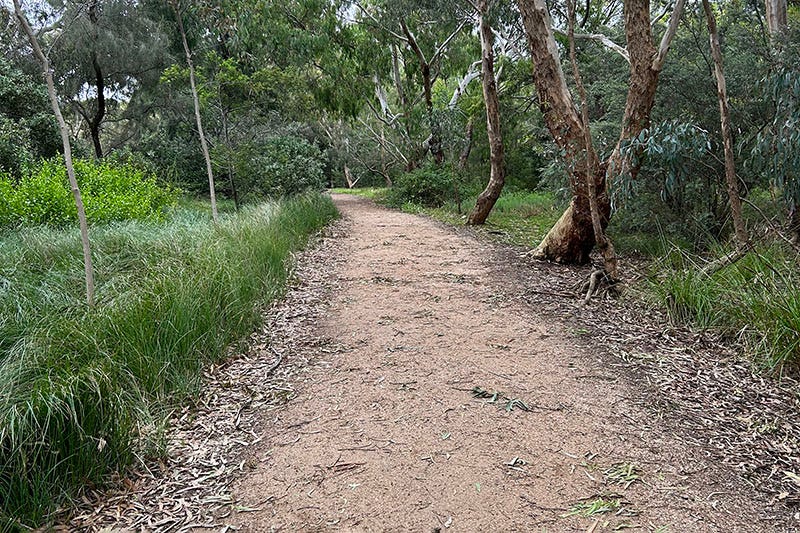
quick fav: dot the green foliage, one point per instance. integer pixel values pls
(83, 389)
(671, 147)
(27, 126)
(113, 44)
(679, 190)
(285, 165)
(756, 299)
(776, 151)
(110, 190)
(428, 186)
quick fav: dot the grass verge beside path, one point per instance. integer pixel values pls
(755, 300)
(84, 390)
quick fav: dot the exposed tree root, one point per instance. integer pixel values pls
(598, 281)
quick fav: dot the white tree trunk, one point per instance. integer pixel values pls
(64, 131)
(196, 99)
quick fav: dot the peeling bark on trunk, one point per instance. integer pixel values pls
(64, 131)
(725, 126)
(487, 198)
(572, 238)
(776, 17)
(199, 120)
(601, 239)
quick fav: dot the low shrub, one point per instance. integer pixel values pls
(284, 165)
(111, 191)
(428, 186)
(80, 386)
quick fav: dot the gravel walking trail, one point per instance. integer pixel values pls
(449, 404)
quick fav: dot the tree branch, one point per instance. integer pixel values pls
(472, 73)
(666, 39)
(383, 142)
(603, 39)
(412, 42)
(378, 24)
(446, 42)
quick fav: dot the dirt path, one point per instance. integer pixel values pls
(385, 433)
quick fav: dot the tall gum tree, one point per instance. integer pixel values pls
(421, 36)
(489, 196)
(571, 239)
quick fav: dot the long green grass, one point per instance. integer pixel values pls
(521, 218)
(82, 390)
(756, 299)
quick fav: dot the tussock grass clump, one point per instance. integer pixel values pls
(756, 299)
(81, 390)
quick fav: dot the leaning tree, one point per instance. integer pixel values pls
(572, 238)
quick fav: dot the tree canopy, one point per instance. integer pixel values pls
(379, 89)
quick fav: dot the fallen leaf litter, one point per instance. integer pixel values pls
(208, 443)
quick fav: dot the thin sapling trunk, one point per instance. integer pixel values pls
(725, 126)
(196, 99)
(64, 131)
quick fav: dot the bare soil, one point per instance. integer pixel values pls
(386, 433)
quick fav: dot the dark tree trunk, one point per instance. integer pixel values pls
(100, 85)
(725, 126)
(228, 164)
(384, 167)
(435, 140)
(463, 159)
(487, 198)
